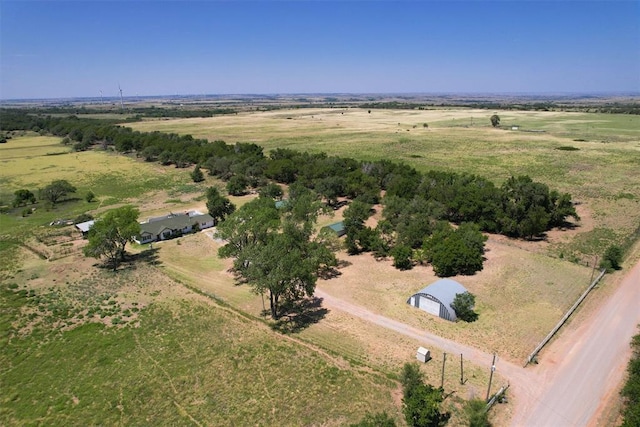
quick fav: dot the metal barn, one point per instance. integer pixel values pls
(437, 298)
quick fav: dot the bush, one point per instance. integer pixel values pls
(83, 218)
(197, 175)
(612, 258)
(631, 390)
(476, 412)
(402, 257)
(463, 305)
(90, 197)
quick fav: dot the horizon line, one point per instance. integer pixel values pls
(297, 94)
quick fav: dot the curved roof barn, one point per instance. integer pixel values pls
(437, 298)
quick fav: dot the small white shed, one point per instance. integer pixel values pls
(423, 355)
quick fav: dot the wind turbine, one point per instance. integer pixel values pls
(121, 103)
(101, 100)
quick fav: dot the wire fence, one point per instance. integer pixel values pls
(562, 321)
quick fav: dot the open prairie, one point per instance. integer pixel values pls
(82, 345)
(165, 344)
(594, 157)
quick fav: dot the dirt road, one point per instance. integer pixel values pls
(581, 369)
(576, 374)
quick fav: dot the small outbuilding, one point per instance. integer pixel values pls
(437, 298)
(423, 355)
(84, 227)
(337, 228)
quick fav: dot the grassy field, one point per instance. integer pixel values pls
(187, 363)
(602, 173)
(153, 351)
(32, 162)
(82, 345)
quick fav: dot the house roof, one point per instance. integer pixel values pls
(338, 227)
(173, 222)
(85, 226)
(444, 290)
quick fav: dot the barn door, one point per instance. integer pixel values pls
(430, 306)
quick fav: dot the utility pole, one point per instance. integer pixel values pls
(595, 262)
(461, 371)
(444, 359)
(493, 368)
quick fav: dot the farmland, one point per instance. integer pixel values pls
(196, 348)
(602, 173)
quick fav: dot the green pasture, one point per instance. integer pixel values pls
(27, 162)
(32, 162)
(187, 363)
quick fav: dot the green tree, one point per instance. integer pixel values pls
(453, 252)
(249, 225)
(218, 205)
(165, 158)
(420, 401)
(410, 378)
(273, 191)
(22, 197)
(276, 256)
(612, 258)
(534, 223)
(197, 175)
(476, 413)
(285, 267)
(90, 197)
(463, 304)
(150, 153)
(237, 185)
(354, 217)
(331, 188)
(495, 120)
(110, 234)
(56, 191)
(402, 257)
(631, 390)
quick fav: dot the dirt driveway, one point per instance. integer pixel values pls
(577, 374)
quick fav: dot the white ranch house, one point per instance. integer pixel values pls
(172, 225)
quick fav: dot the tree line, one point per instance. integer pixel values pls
(417, 208)
(585, 107)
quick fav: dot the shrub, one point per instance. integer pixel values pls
(83, 218)
(197, 175)
(476, 412)
(612, 258)
(401, 257)
(463, 305)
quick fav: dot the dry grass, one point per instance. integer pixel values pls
(604, 174)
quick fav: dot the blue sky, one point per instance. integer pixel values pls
(54, 49)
